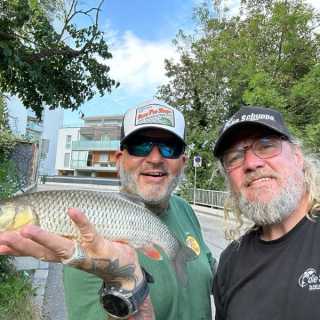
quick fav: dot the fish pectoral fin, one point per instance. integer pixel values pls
(151, 252)
(122, 241)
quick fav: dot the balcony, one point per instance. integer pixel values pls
(33, 126)
(111, 145)
(98, 166)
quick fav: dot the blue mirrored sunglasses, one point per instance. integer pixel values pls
(168, 150)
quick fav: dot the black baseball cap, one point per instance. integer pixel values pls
(248, 117)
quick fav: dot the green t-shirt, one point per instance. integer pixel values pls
(171, 301)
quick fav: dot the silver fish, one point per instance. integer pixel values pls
(114, 216)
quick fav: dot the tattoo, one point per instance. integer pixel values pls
(110, 271)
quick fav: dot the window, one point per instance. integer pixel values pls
(68, 141)
(103, 157)
(79, 159)
(67, 160)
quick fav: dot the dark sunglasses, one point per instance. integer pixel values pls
(168, 150)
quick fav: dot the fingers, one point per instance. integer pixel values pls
(5, 250)
(87, 230)
(90, 240)
(58, 246)
(12, 243)
(98, 247)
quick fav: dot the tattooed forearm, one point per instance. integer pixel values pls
(110, 271)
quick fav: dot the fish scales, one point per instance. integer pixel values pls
(113, 216)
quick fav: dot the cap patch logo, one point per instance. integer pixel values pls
(154, 114)
(193, 244)
(249, 117)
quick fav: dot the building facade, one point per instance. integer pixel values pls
(23, 123)
(89, 150)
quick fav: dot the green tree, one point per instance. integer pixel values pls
(7, 140)
(15, 287)
(43, 66)
(267, 55)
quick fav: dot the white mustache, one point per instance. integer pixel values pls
(259, 174)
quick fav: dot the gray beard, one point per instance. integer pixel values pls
(275, 211)
(159, 200)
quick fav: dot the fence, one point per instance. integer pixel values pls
(210, 198)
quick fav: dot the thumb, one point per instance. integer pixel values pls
(87, 230)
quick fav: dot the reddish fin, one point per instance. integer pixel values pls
(151, 252)
(122, 241)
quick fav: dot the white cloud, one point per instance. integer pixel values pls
(314, 3)
(137, 63)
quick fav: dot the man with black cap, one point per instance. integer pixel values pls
(150, 161)
(272, 270)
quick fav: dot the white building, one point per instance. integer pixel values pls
(89, 150)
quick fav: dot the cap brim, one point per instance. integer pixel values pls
(139, 130)
(226, 137)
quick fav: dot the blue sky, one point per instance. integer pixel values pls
(140, 34)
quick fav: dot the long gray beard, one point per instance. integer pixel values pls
(264, 214)
(128, 183)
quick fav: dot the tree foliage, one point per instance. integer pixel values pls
(267, 55)
(43, 66)
(7, 139)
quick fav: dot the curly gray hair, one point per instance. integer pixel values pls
(235, 223)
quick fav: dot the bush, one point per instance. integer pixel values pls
(15, 294)
(9, 182)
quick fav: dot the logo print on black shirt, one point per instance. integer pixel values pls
(311, 279)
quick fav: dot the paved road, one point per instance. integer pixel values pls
(53, 303)
(54, 307)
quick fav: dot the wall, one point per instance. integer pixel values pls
(25, 157)
(61, 145)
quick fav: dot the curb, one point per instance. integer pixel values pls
(39, 278)
(208, 210)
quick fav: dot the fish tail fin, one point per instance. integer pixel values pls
(179, 262)
(151, 251)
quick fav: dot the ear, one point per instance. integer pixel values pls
(298, 156)
(118, 155)
(184, 159)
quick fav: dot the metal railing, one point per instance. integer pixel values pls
(83, 164)
(111, 145)
(210, 198)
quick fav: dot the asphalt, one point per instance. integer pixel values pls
(47, 277)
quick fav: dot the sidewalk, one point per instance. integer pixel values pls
(39, 278)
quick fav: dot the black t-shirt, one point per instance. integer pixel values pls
(271, 280)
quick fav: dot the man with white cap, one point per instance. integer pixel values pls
(150, 163)
(272, 270)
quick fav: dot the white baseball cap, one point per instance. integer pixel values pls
(153, 115)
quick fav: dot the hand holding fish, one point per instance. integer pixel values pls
(116, 263)
(108, 258)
